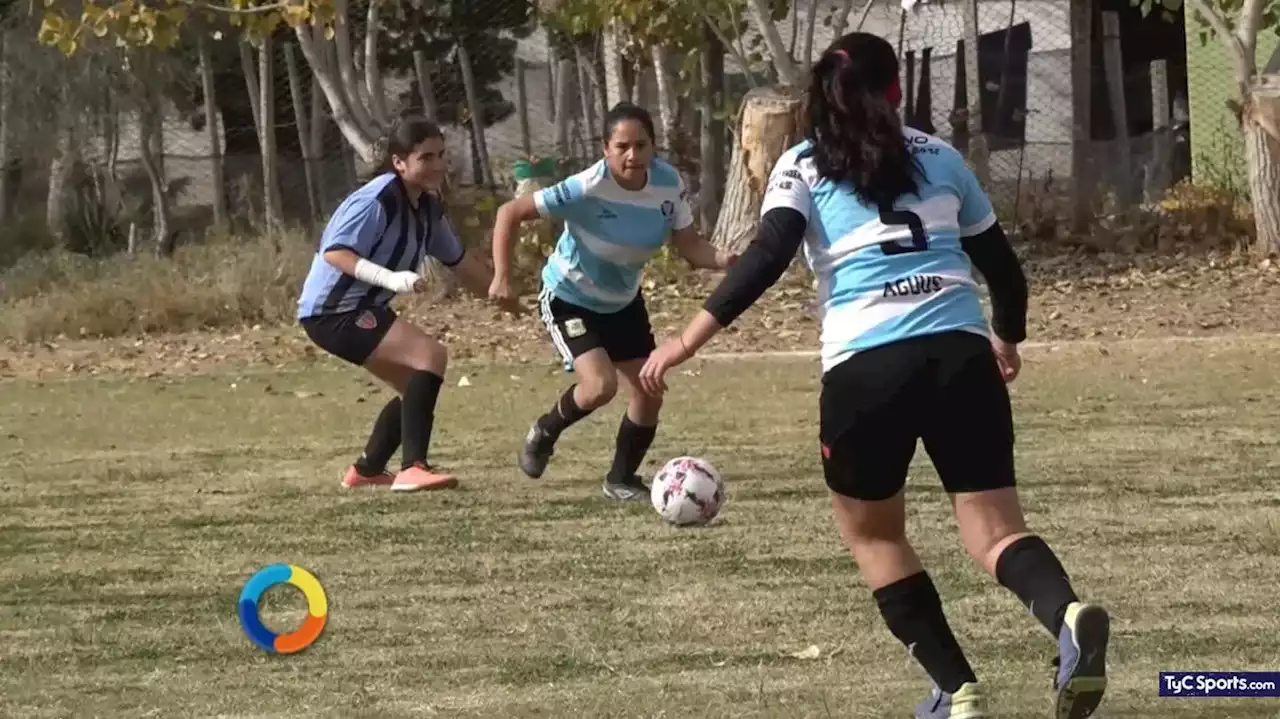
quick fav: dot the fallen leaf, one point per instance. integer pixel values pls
(810, 652)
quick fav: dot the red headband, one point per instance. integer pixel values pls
(893, 93)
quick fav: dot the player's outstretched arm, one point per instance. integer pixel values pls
(506, 228)
(700, 253)
(777, 241)
(476, 277)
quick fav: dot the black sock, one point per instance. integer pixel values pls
(913, 610)
(633, 442)
(1029, 569)
(383, 440)
(563, 415)
(419, 414)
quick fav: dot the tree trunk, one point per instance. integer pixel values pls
(811, 25)
(317, 125)
(220, 219)
(372, 73)
(6, 102)
(273, 212)
(666, 97)
(304, 134)
(163, 237)
(426, 92)
(710, 131)
(768, 126)
(65, 156)
(356, 129)
(587, 102)
(1261, 124)
(613, 84)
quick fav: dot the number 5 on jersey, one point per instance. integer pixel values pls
(919, 239)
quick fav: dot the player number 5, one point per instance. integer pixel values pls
(919, 239)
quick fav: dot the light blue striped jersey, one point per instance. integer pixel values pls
(885, 277)
(377, 223)
(609, 233)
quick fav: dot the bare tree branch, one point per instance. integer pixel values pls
(782, 62)
(733, 50)
(1245, 65)
(372, 73)
(226, 10)
(811, 26)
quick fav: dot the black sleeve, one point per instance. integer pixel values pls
(777, 241)
(993, 256)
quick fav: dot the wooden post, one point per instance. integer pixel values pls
(522, 108)
(1123, 155)
(552, 67)
(1158, 167)
(767, 127)
(977, 138)
(1081, 109)
(477, 114)
(564, 68)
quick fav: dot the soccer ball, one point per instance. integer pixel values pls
(687, 491)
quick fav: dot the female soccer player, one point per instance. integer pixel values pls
(617, 215)
(369, 252)
(888, 216)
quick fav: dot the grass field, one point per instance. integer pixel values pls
(134, 509)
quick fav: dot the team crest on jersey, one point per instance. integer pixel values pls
(668, 209)
(367, 320)
(575, 327)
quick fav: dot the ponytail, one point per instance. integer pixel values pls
(853, 121)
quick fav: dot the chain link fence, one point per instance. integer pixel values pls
(79, 134)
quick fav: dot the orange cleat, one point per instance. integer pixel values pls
(354, 479)
(420, 477)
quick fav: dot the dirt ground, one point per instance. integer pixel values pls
(1075, 296)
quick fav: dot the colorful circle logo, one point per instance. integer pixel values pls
(317, 608)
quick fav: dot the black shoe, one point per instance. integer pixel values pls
(537, 450)
(629, 490)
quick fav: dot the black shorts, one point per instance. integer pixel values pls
(354, 335)
(945, 389)
(624, 335)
